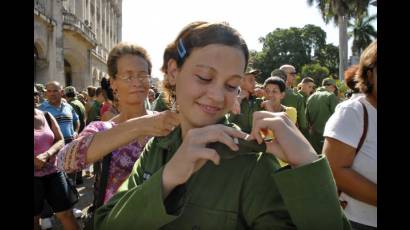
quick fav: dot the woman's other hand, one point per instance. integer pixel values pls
(289, 144)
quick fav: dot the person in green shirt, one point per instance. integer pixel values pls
(294, 99)
(319, 107)
(207, 174)
(247, 101)
(159, 103)
(307, 87)
(70, 93)
(94, 112)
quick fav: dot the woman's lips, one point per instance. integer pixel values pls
(209, 109)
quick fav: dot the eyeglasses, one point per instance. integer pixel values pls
(142, 78)
(293, 73)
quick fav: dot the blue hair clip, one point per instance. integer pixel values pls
(181, 49)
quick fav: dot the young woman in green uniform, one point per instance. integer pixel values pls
(207, 174)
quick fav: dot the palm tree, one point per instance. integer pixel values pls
(340, 11)
(362, 32)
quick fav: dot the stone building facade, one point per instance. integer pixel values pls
(72, 39)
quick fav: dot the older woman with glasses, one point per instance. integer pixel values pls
(119, 141)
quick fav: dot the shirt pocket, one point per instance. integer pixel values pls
(197, 217)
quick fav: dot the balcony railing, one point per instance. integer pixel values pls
(77, 25)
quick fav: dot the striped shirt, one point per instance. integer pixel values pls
(65, 116)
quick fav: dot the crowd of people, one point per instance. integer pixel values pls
(210, 148)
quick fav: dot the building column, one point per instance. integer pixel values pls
(105, 24)
(95, 19)
(100, 22)
(73, 6)
(109, 27)
(84, 10)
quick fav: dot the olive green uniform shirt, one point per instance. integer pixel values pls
(159, 104)
(295, 100)
(248, 191)
(80, 110)
(305, 97)
(94, 113)
(319, 107)
(245, 118)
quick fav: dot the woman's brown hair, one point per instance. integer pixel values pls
(196, 35)
(368, 61)
(122, 49)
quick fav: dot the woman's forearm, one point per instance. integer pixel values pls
(356, 186)
(55, 147)
(107, 141)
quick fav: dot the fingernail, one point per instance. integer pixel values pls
(235, 140)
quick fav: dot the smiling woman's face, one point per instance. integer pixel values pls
(207, 84)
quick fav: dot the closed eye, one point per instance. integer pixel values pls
(203, 79)
(231, 88)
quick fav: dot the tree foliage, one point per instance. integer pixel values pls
(295, 46)
(315, 71)
(362, 32)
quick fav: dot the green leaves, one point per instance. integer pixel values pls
(295, 46)
(315, 71)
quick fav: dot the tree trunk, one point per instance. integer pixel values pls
(342, 46)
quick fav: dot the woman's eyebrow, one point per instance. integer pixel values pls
(210, 68)
(213, 70)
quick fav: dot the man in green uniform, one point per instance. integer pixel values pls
(71, 95)
(319, 107)
(249, 191)
(307, 88)
(159, 103)
(94, 113)
(295, 100)
(249, 103)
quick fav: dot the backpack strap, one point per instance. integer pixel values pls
(48, 118)
(50, 124)
(365, 126)
(101, 181)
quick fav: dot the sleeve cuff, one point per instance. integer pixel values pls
(309, 193)
(304, 180)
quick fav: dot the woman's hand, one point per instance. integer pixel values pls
(193, 154)
(40, 160)
(289, 145)
(159, 124)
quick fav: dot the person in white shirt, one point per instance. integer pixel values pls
(354, 166)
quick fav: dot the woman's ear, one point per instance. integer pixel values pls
(172, 70)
